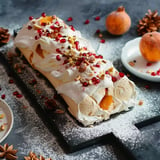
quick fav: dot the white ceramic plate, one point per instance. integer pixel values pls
(136, 64)
(7, 120)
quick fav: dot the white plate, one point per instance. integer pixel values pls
(7, 120)
(141, 67)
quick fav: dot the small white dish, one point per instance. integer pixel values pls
(7, 120)
(136, 64)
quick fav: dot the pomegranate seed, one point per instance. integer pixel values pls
(78, 63)
(43, 24)
(70, 19)
(84, 54)
(19, 96)
(50, 103)
(98, 31)
(58, 50)
(3, 96)
(39, 32)
(72, 28)
(57, 38)
(11, 81)
(85, 84)
(33, 82)
(147, 86)
(97, 18)
(97, 65)
(29, 27)
(52, 27)
(158, 72)
(102, 40)
(87, 21)
(153, 74)
(114, 79)
(15, 93)
(62, 40)
(48, 34)
(94, 80)
(25, 107)
(57, 23)
(58, 57)
(59, 35)
(77, 44)
(43, 14)
(36, 37)
(85, 48)
(97, 81)
(121, 74)
(148, 64)
(30, 18)
(65, 61)
(106, 72)
(100, 56)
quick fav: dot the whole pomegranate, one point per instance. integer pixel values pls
(150, 46)
(118, 22)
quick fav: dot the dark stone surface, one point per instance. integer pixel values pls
(31, 130)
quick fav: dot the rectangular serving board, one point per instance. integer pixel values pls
(123, 126)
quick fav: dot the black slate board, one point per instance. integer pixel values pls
(121, 127)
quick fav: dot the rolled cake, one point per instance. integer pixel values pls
(89, 84)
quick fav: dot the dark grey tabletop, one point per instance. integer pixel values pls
(33, 132)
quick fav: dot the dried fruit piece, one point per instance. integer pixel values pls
(118, 22)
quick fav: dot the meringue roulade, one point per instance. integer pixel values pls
(90, 85)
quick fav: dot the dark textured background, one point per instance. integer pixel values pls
(30, 132)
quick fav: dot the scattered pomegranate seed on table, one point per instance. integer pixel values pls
(3, 96)
(147, 86)
(11, 81)
(87, 21)
(102, 40)
(98, 31)
(70, 19)
(97, 18)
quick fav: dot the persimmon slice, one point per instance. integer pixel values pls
(106, 102)
(46, 20)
